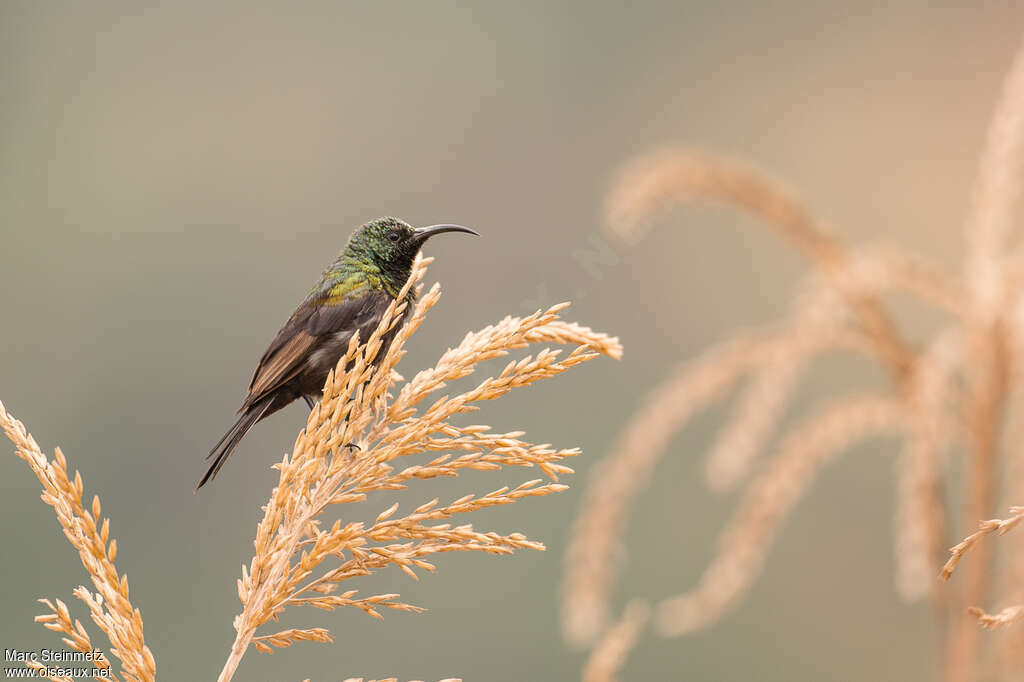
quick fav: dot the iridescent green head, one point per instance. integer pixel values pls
(389, 246)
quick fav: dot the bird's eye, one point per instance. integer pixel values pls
(393, 236)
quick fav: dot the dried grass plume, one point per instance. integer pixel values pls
(109, 605)
(947, 395)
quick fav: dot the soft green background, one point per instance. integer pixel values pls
(173, 177)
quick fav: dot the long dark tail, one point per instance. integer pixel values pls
(229, 440)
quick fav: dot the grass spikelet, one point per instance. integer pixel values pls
(1008, 616)
(59, 620)
(985, 528)
(286, 638)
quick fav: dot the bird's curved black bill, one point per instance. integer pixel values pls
(425, 233)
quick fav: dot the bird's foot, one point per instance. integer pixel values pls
(350, 451)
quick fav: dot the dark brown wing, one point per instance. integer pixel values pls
(311, 325)
(280, 366)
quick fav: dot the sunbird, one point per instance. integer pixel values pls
(351, 296)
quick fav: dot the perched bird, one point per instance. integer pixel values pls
(351, 296)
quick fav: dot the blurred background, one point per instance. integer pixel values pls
(174, 176)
